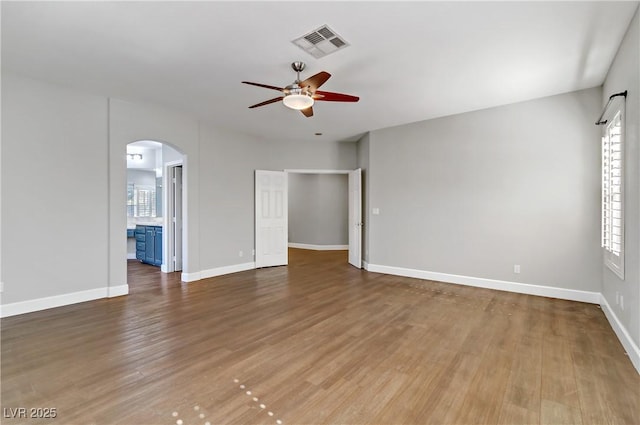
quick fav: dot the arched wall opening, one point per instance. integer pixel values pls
(133, 122)
(156, 205)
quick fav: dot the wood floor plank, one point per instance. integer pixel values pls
(317, 342)
(554, 413)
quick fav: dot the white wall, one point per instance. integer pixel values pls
(169, 154)
(149, 158)
(318, 209)
(624, 74)
(475, 194)
(141, 177)
(54, 186)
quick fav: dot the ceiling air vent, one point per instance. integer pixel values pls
(321, 42)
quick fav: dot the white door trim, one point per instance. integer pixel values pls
(168, 266)
(355, 218)
(320, 171)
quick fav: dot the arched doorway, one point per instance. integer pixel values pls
(156, 198)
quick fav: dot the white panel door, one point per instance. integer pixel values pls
(355, 218)
(271, 218)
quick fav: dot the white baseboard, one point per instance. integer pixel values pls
(131, 255)
(117, 291)
(218, 271)
(318, 247)
(621, 332)
(190, 277)
(45, 303)
(501, 285)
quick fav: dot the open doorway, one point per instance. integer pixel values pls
(327, 208)
(318, 211)
(322, 212)
(155, 200)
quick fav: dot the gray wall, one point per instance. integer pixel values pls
(130, 122)
(318, 209)
(227, 192)
(624, 74)
(59, 143)
(476, 193)
(54, 190)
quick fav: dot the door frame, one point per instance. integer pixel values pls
(355, 217)
(168, 246)
(328, 171)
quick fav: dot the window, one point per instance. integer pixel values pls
(141, 201)
(613, 193)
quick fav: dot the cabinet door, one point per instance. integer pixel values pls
(141, 246)
(158, 247)
(150, 245)
(141, 251)
(140, 233)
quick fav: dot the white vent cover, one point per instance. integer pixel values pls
(321, 42)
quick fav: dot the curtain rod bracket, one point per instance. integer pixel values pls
(600, 121)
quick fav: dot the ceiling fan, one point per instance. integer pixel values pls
(301, 95)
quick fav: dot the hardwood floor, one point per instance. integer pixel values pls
(317, 342)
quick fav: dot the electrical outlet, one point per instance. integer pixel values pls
(516, 268)
(253, 252)
(241, 254)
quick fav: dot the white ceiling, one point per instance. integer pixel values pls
(408, 61)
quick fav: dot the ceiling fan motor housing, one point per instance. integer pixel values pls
(296, 89)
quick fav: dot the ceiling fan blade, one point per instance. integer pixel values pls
(315, 81)
(266, 86)
(307, 112)
(266, 102)
(328, 96)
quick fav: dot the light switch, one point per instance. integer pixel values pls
(376, 211)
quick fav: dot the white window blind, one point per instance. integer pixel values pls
(613, 194)
(141, 201)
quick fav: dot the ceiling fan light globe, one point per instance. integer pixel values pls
(298, 101)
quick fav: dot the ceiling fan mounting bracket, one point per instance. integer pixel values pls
(298, 66)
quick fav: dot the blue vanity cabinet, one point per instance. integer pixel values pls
(149, 244)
